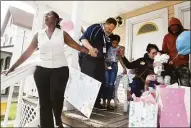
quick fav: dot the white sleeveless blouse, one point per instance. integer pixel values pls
(51, 50)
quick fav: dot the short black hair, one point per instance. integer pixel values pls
(111, 21)
(152, 46)
(115, 38)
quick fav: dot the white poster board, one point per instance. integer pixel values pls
(81, 91)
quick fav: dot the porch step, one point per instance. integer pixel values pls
(99, 118)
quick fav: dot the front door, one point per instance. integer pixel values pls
(182, 12)
(144, 29)
(145, 33)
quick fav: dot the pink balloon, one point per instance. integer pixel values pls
(67, 25)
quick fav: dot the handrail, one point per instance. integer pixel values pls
(26, 69)
(17, 75)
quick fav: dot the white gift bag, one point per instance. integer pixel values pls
(143, 114)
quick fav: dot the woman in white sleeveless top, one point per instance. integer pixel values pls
(52, 71)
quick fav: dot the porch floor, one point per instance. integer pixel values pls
(99, 118)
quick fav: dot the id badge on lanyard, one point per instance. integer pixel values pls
(104, 47)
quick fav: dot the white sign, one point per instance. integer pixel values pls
(81, 91)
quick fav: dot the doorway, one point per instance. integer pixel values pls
(144, 29)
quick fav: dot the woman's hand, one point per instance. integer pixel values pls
(29, 51)
(6, 72)
(122, 51)
(93, 52)
(10, 70)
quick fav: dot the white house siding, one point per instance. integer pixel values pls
(17, 34)
(9, 31)
(20, 39)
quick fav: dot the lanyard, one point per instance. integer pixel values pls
(104, 41)
(103, 35)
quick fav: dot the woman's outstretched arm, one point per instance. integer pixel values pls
(70, 42)
(29, 51)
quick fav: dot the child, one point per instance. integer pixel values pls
(111, 66)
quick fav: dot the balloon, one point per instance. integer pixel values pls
(183, 43)
(67, 25)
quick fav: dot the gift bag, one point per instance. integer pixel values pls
(121, 79)
(187, 101)
(172, 108)
(143, 112)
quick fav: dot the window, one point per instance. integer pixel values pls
(6, 38)
(10, 41)
(7, 62)
(11, 21)
(147, 27)
(2, 64)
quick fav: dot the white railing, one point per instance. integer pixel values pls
(23, 108)
(19, 75)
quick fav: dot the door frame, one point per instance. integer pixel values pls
(178, 11)
(179, 8)
(161, 13)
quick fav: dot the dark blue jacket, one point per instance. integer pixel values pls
(95, 35)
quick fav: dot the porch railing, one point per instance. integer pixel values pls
(27, 114)
(23, 109)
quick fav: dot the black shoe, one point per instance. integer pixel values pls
(61, 126)
(110, 107)
(100, 107)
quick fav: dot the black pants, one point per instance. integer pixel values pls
(51, 84)
(94, 67)
(183, 74)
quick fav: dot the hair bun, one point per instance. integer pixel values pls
(60, 19)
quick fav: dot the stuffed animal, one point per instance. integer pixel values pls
(158, 63)
(151, 80)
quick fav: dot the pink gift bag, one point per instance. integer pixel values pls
(172, 108)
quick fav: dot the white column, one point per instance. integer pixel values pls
(77, 21)
(76, 18)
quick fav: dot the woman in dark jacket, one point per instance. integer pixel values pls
(143, 67)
